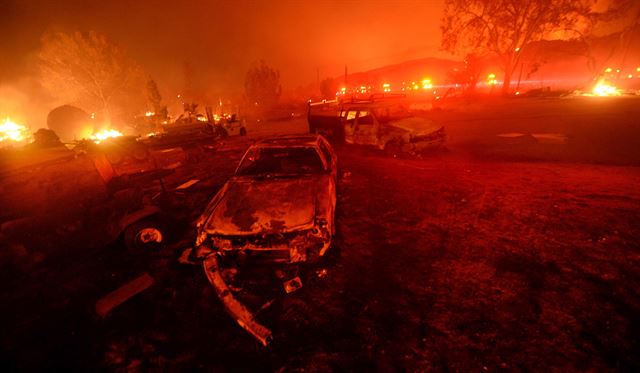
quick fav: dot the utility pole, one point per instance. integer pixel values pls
(345, 75)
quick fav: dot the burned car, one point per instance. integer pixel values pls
(390, 127)
(381, 122)
(280, 202)
(232, 125)
(277, 208)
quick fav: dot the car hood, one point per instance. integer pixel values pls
(416, 126)
(270, 205)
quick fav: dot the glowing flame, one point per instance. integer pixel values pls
(426, 84)
(604, 89)
(104, 134)
(491, 79)
(149, 114)
(12, 131)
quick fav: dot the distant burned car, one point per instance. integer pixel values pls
(233, 126)
(382, 122)
(390, 127)
(280, 202)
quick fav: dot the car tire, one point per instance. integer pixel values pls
(146, 235)
(393, 148)
(221, 133)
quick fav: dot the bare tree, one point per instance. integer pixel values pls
(504, 27)
(619, 40)
(262, 85)
(155, 99)
(88, 70)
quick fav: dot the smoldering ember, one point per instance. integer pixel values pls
(251, 185)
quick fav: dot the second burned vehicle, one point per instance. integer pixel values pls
(384, 123)
(279, 207)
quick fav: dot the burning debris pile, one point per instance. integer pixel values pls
(602, 88)
(105, 134)
(12, 133)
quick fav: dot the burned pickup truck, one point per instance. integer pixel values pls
(383, 123)
(278, 209)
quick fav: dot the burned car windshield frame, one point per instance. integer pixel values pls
(281, 161)
(384, 113)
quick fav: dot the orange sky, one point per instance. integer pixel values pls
(221, 38)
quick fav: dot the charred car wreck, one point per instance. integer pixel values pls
(384, 123)
(278, 208)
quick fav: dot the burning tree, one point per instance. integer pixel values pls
(262, 85)
(88, 70)
(155, 99)
(504, 27)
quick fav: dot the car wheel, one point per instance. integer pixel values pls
(145, 235)
(393, 148)
(222, 133)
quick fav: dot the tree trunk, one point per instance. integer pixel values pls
(507, 80)
(509, 67)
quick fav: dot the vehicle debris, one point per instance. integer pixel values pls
(292, 285)
(188, 184)
(185, 257)
(321, 273)
(237, 310)
(125, 292)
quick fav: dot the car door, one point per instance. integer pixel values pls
(365, 129)
(348, 119)
(332, 163)
(330, 155)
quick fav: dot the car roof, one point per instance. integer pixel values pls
(290, 140)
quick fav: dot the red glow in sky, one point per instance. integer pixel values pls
(221, 38)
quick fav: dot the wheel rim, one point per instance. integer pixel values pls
(148, 236)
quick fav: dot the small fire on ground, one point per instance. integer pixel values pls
(604, 89)
(104, 134)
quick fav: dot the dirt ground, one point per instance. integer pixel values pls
(489, 255)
